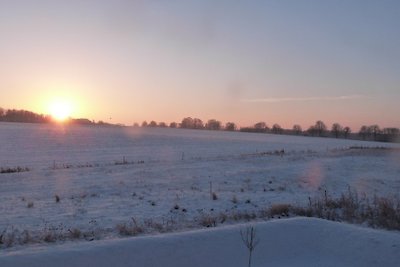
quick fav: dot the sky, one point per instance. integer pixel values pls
(286, 62)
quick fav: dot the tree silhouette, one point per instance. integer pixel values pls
(277, 129)
(336, 129)
(198, 124)
(260, 127)
(297, 129)
(213, 125)
(375, 130)
(320, 128)
(230, 126)
(346, 131)
(152, 124)
(13, 115)
(391, 134)
(187, 123)
(190, 123)
(364, 132)
(173, 125)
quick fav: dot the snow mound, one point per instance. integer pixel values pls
(289, 242)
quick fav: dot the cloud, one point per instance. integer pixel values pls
(304, 99)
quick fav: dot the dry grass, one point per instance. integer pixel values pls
(130, 229)
(279, 210)
(380, 212)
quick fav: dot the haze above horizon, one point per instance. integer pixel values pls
(286, 62)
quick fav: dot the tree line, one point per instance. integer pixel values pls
(24, 116)
(319, 129)
(13, 115)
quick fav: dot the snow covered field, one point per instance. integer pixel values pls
(93, 182)
(289, 242)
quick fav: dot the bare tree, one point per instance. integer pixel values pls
(375, 130)
(312, 131)
(144, 124)
(198, 123)
(260, 127)
(320, 128)
(277, 129)
(336, 129)
(213, 125)
(162, 124)
(152, 124)
(346, 131)
(249, 240)
(173, 125)
(364, 132)
(187, 123)
(230, 126)
(297, 129)
(391, 134)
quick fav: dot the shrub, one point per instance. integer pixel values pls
(214, 196)
(279, 209)
(14, 170)
(75, 233)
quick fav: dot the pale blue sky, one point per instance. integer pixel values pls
(243, 61)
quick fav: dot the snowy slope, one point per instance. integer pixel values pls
(289, 242)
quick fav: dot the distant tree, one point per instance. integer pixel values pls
(346, 131)
(152, 124)
(162, 124)
(320, 128)
(312, 131)
(230, 126)
(375, 131)
(277, 129)
(391, 134)
(13, 115)
(187, 123)
(1, 112)
(213, 125)
(391, 131)
(144, 124)
(260, 127)
(364, 132)
(135, 124)
(336, 129)
(173, 125)
(198, 124)
(297, 129)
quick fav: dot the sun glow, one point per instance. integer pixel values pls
(60, 110)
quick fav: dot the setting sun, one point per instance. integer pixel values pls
(60, 110)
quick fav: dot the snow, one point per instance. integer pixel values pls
(105, 176)
(289, 242)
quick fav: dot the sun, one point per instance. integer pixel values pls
(60, 110)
